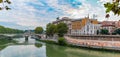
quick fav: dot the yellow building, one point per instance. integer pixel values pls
(84, 26)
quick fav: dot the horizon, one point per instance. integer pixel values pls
(28, 14)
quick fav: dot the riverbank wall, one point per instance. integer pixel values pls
(98, 37)
(99, 42)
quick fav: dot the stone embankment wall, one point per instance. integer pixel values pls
(94, 42)
(98, 37)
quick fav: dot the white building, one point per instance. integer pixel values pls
(85, 28)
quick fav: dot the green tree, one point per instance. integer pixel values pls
(62, 29)
(114, 7)
(62, 41)
(51, 29)
(39, 30)
(5, 30)
(104, 31)
(4, 3)
(117, 31)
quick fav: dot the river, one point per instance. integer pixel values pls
(33, 48)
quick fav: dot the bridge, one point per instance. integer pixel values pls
(30, 34)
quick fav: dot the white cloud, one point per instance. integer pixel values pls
(22, 14)
(25, 15)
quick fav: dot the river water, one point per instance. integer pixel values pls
(33, 48)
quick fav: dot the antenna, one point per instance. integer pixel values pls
(88, 16)
(94, 16)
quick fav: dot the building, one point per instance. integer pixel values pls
(109, 25)
(117, 24)
(85, 26)
(65, 20)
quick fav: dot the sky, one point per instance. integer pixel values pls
(29, 14)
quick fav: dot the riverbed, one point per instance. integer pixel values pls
(33, 48)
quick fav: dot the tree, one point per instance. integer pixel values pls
(62, 29)
(9, 30)
(62, 41)
(98, 32)
(114, 7)
(51, 29)
(104, 31)
(4, 2)
(38, 45)
(39, 30)
(117, 31)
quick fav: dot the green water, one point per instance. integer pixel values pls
(32, 48)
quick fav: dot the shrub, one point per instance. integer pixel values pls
(62, 41)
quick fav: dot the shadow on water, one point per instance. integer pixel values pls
(60, 51)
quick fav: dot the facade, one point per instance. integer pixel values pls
(109, 25)
(85, 26)
(117, 24)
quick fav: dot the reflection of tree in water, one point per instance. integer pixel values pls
(4, 41)
(38, 45)
(60, 51)
(2, 47)
(55, 51)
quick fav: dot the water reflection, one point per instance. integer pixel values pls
(23, 51)
(24, 48)
(33, 48)
(59, 51)
(38, 45)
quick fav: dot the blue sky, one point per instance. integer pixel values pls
(28, 14)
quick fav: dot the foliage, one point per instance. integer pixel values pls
(4, 30)
(62, 41)
(104, 31)
(117, 31)
(4, 3)
(114, 33)
(39, 30)
(6, 40)
(51, 29)
(62, 29)
(38, 45)
(113, 6)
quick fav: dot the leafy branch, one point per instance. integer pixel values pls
(4, 2)
(114, 7)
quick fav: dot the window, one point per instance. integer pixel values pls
(87, 28)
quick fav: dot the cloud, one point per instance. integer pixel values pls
(33, 13)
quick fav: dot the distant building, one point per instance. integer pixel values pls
(109, 25)
(85, 26)
(117, 24)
